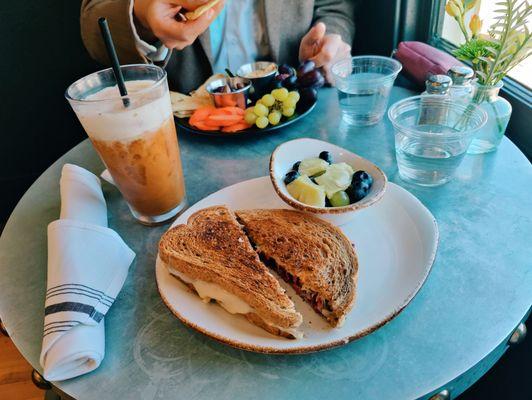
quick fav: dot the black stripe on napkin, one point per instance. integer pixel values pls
(60, 326)
(78, 286)
(76, 307)
(62, 322)
(67, 291)
(57, 330)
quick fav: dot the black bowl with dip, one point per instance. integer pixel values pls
(261, 75)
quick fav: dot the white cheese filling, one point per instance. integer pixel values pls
(210, 291)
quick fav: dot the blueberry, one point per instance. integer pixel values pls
(290, 177)
(362, 176)
(357, 191)
(325, 155)
(295, 167)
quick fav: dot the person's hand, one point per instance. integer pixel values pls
(324, 49)
(159, 18)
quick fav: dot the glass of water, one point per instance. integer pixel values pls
(432, 134)
(364, 84)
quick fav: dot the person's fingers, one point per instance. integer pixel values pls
(315, 34)
(332, 51)
(310, 43)
(328, 50)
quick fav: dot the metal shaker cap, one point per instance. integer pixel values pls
(461, 74)
(438, 84)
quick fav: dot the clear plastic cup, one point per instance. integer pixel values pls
(135, 137)
(364, 84)
(432, 134)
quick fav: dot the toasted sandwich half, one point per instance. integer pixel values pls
(310, 254)
(212, 255)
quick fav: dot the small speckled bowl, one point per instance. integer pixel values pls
(286, 154)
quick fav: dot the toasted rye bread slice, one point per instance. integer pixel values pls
(213, 248)
(312, 255)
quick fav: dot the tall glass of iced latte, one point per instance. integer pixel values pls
(135, 137)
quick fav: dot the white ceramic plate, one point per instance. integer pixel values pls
(395, 239)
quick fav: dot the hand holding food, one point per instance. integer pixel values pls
(159, 17)
(324, 49)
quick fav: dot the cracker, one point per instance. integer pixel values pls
(198, 12)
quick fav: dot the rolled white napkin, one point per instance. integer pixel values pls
(87, 266)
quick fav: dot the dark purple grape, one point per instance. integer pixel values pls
(313, 78)
(290, 83)
(304, 67)
(277, 82)
(308, 95)
(320, 81)
(286, 69)
(281, 77)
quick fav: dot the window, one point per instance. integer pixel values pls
(444, 33)
(447, 29)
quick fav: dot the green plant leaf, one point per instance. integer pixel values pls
(510, 23)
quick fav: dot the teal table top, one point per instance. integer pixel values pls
(479, 289)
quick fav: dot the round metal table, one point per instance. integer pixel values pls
(455, 329)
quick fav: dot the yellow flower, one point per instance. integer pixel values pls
(453, 9)
(517, 43)
(475, 24)
(468, 5)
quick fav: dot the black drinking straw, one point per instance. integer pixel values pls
(111, 52)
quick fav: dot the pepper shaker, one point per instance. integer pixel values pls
(462, 78)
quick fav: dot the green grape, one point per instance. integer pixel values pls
(274, 117)
(268, 100)
(339, 199)
(289, 103)
(260, 110)
(250, 117)
(261, 122)
(280, 94)
(294, 95)
(288, 111)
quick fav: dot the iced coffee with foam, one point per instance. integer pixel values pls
(136, 139)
